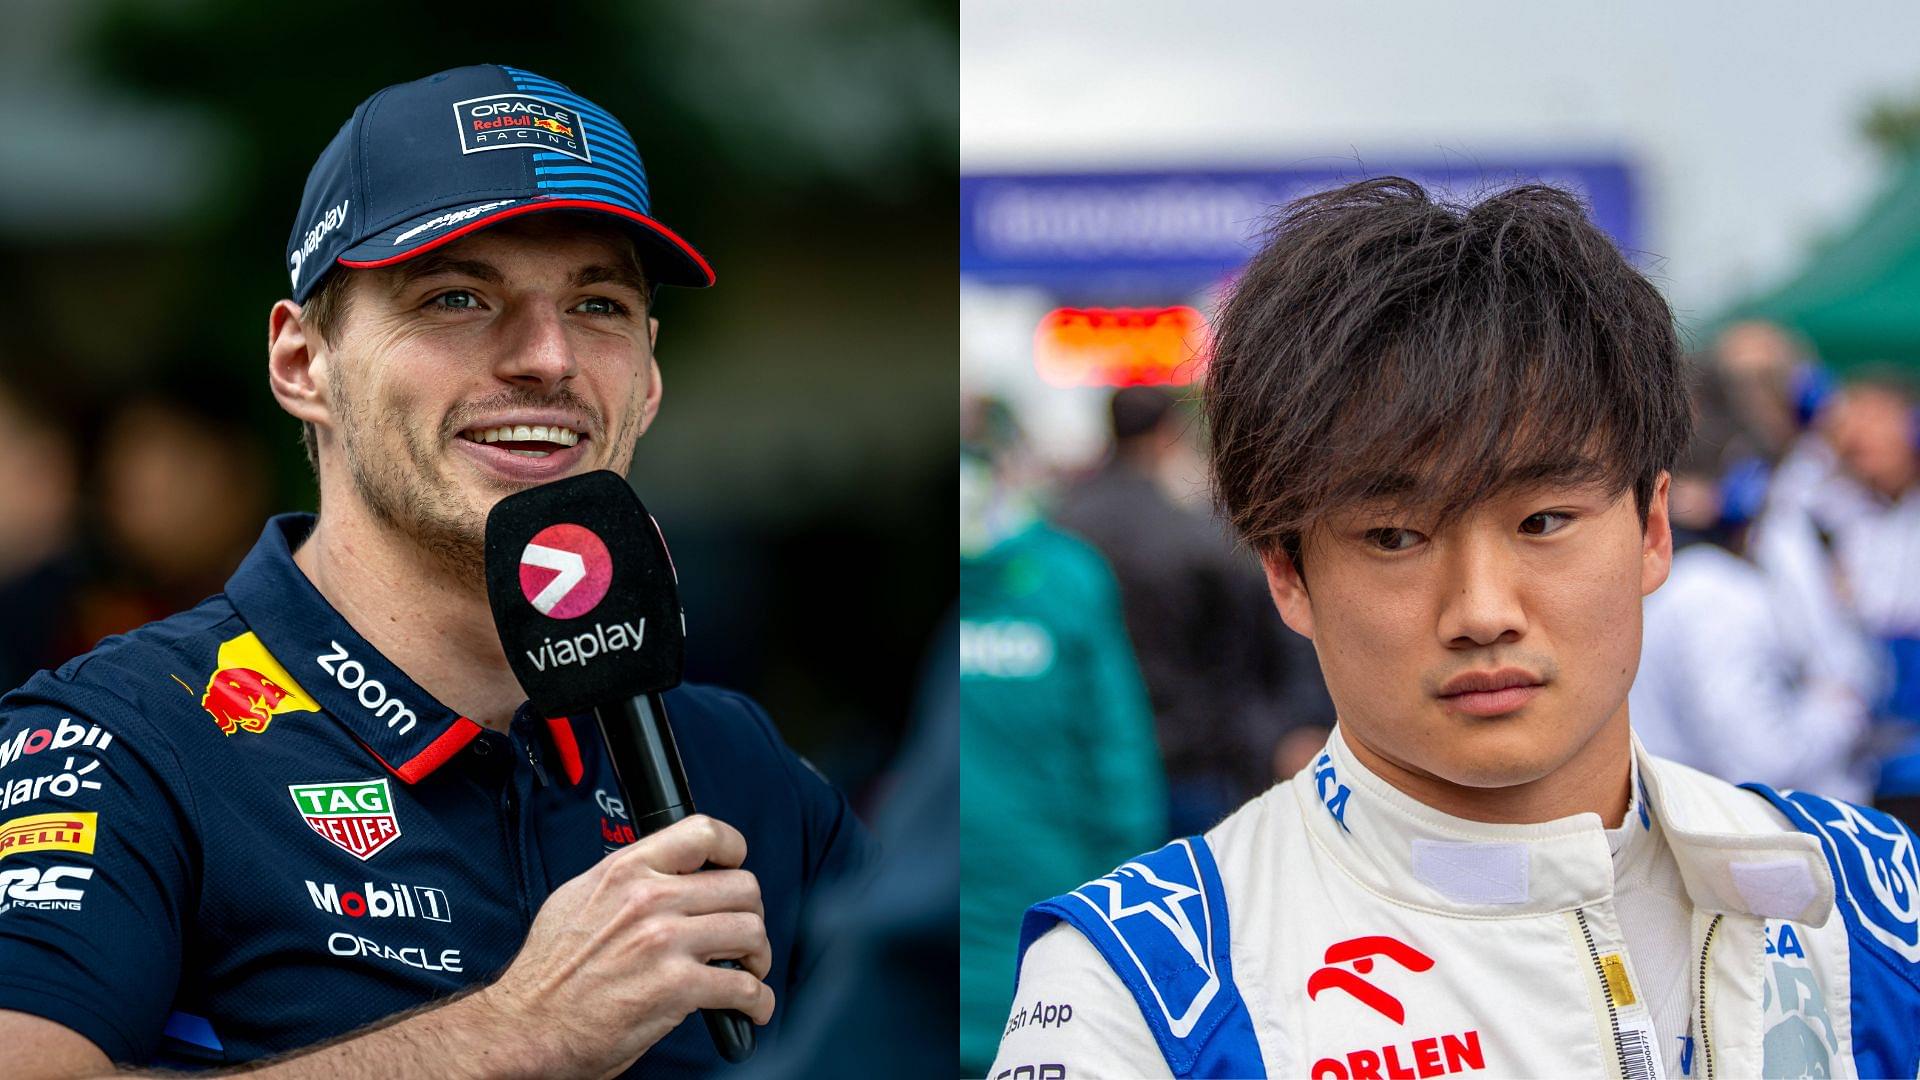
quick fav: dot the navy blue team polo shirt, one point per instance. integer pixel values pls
(241, 830)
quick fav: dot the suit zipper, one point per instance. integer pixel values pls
(1706, 1040)
(1600, 973)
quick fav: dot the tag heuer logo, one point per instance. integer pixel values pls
(356, 816)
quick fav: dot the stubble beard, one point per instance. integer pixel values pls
(399, 495)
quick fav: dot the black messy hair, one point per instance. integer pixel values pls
(1384, 347)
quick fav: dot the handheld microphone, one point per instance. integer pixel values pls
(587, 603)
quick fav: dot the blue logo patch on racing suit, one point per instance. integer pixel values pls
(1876, 879)
(1161, 922)
(1332, 792)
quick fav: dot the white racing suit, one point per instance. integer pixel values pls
(1334, 927)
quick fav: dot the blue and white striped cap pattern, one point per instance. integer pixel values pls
(424, 163)
(615, 174)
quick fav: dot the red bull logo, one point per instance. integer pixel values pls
(554, 126)
(241, 699)
(249, 688)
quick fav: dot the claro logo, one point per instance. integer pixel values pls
(372, 693)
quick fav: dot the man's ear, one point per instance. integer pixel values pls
(650, 407)
(1289, 592)
(1656, 540)
(297, 375)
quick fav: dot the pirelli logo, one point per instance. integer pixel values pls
(66, 831)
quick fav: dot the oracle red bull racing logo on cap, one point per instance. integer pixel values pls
(355, 816)
(248, 688)
(505, 121)
(565, 571)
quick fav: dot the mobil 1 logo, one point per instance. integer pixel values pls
(30, 740)
(375, 901)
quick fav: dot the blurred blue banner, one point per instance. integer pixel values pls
(1188, 229)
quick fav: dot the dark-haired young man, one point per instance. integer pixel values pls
(1447, 433)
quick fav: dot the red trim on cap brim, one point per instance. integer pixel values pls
(451, 741)
(562, 730)
(532, 206)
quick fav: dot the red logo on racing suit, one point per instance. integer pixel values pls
(1360, 952)
(1433, 1055)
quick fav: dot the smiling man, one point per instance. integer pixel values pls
(1446, 431)
(311, 824)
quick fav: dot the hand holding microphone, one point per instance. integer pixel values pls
(586, 602)
(619, 956)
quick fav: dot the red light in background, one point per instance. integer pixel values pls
(1120, 346)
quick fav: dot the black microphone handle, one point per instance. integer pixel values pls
(646, 766)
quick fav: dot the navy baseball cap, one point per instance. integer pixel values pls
(425, 162)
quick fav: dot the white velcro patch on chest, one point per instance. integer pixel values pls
(1775, 889)
(1470, 873)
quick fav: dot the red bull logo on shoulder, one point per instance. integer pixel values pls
(248, 688)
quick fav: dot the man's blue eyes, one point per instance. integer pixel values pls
(462, 300)
(448, 300)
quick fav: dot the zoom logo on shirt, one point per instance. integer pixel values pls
(371, 693)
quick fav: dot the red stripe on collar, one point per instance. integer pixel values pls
(561, 729)
(450, 742)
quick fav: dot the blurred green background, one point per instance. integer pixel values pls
(802, 466)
